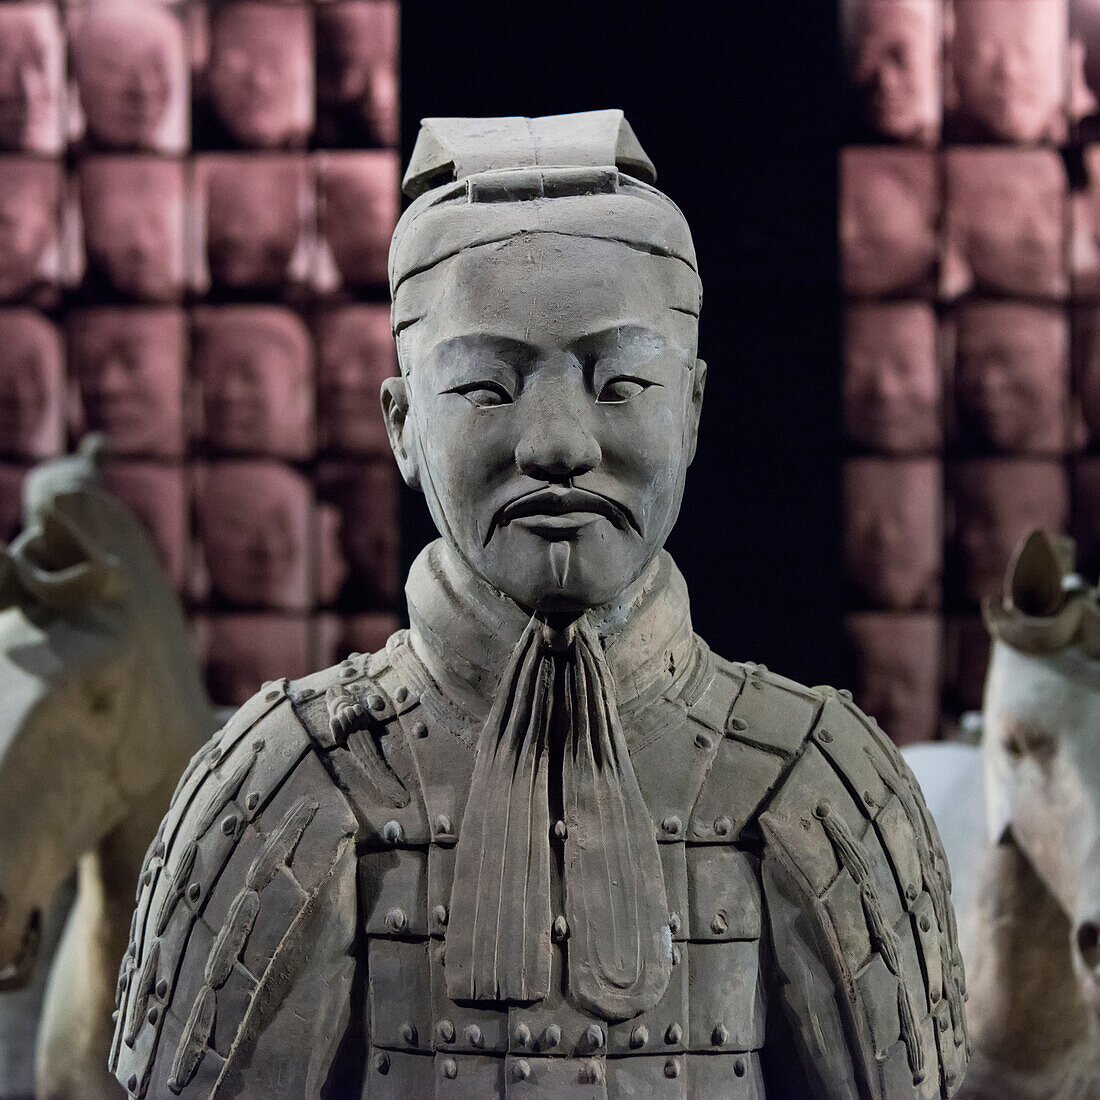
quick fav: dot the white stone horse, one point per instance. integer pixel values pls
(101, 706)
(1020, 819)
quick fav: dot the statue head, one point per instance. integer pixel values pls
(546, 309)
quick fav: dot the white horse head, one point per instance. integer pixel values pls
(1041, 717)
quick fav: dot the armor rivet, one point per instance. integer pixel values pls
(639, 1036)
(593, 1036)
(159, 850)
(719, 1035)
(229, 824)
(925, 924)
(443, 824)
(376, 702)
(271, 696)
(592, 1072)
(347, 672)
(739, 1067)
(401, 694)
(722, 825)
(560, 830)
(420, 729)
(397, 920)
(719, 924)
(674, 923)
(521, 1070)
(474, 1036)
(560, 928)
(672, 824)
(252, 801)
(825, 736)
(672, 1068)
(258, 745)
(408, 1034)
(147, 877)
(162, 988)
(943, 1023)
(132, 1083)
(154, 1014)
(822, 810)
(194, 891)
(450, 1068)
(844, 693)
(868, 798)
(737, 725)
(935, 996)
(702, 741)
(306, 694)
(439, 914)
(352, 657)
(522, 1035)
(911, 891)
(446, 1031)
(674, 1033)
(215, 758)
(392, 832)
(551, 1036)
(382, 1062)
(675, 954)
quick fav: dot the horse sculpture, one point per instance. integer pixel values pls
(1020, 819)
(102, 706)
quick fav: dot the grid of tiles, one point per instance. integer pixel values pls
(196, 202)
(970, 262)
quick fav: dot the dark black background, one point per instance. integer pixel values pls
(737, 104)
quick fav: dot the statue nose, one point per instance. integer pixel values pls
(1087, 937)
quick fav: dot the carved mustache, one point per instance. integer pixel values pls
(554, 500)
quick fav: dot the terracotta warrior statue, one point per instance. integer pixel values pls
(545, 843)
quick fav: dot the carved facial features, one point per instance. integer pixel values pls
(549, 412)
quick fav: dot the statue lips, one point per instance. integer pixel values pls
(559, 512)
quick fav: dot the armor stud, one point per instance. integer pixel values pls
(382, 1062)
(639, 1036)
(593, 1037)
(560, 928)
(739, 1067)
(445, 1030)
(672, 1068)
(408, 1034)
(720, 1035)
(702, 741)
(592, 1072)
(397, 920)
(420, 729)
(474, 1036)
(672, 825)
(561, 830)
(674, 1034)
(522, 1035)
(439, 916)
(392, 832)
(521, 1070)
(450, 1068)
(551, 1037)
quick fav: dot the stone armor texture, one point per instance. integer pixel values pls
(296, 898)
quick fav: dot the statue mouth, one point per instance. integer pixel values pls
(562, 509)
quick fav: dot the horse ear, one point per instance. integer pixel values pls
(1033, 584)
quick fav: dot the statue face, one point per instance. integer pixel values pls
(1008, 61)
(29, 192)
(891, 377)
(134, 225)
(1006, 218)
(893, 526)
(129, 365)
(253, 367)
(359, 211)
(245, 651)
(355, 353)
(31, 385)
(553, 401)
(30, 78)
(129, 64)
(887, 221)
(157, 495)
(260, 75)
(1011, 376)
(896, 670)
(996, 502)
(896, 68)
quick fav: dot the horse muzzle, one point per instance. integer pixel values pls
(15, 973)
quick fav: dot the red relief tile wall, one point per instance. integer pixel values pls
(196, 202)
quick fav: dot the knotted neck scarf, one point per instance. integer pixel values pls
(553, 733)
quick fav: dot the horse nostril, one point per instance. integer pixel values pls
(1088, 943)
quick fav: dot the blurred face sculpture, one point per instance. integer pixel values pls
(896, 70)
(1012, 376)
(253, 364)
(245, 651)
(1006, 218)
(30, 192)
(32, 386)
(893, 529)
(891, 377)
(132, 208)
(254, 220)
(887, 221)
(356, 352)
(1009, 65)
(129, 62)
(158, 497)
(30, 78)
(129, 365)
(357, 90)
(896, 666)
(260, 75)
(254, 521)
(359, 204)
(996, 502)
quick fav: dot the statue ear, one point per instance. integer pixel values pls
(698, 384)
(1033, 584)
(395, 410)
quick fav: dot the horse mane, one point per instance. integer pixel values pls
(1046, 606)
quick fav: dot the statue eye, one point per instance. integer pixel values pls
(484, 394)
(623, 388)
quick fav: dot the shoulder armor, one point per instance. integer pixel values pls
(857, 893)
(253, 831)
